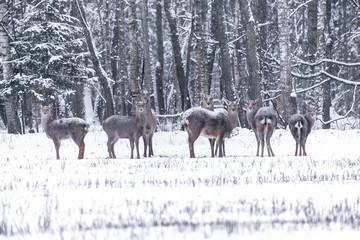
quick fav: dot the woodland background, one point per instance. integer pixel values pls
(88, 58)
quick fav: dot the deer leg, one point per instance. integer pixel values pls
(258, 143)
(110, 144)
(212, 143)
(151, 152)
(81, 145)
(193, 135)
(137, 148)
(296, 148)
(131, 147)
(262, 140)
(303, 147)
(268, 145)
(57, 147)
(146, 143)
(112, 151)
(220, 145)
(223, 147)
(81, 150)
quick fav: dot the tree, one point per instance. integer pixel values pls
(101, 74)
(183, 85)
(321, 53)
(147, 76)
(134, 68)
(286, 103)
(159, 68)
(13, 124)
(219, 33)
(251, 50)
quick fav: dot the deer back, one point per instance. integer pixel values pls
(62, 128)
(266, 117)
(298, 126)
(126, 126)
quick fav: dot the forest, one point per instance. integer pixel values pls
(91, 58)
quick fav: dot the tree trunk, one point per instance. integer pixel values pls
(200, 45)
(101, 74)
(134, 69)
(286, 104)
(160, 58)
(183, 85)
(218, 31)
(251, 53)
(147, 77)
(13, 123)
(193, 86)
(321, 52)
(106, 37)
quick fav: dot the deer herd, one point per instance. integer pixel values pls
(216, 124)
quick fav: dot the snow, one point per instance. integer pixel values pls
(170, 196)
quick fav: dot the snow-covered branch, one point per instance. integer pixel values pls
(298, 7)
(348, 112)
(339, 79)
(355, 64)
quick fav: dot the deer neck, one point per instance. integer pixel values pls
(310, 119)
(233, 119)
(250, 115)
(45, 122)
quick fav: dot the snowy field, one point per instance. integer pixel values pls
(171, 196)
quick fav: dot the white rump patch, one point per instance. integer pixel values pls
(298, 125)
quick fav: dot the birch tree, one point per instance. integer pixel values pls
(13, 124)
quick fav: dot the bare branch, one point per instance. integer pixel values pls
(355, 64)
(298, 7)
(348, 112)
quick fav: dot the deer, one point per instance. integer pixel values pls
(263, 122)
(300, 127)
(130, 127)
(208, 103)
(213, 125)
(60, 129)
(150, 123)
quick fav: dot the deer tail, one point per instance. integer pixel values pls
(299, 126)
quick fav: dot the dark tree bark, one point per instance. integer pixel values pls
(322, 54)
(218, 30)
(192, 86)
(101, 74)
(251, 50)
(147, 77)
(312, 29)
(78, 105)
(134, 69)
(160, 58)
(183, 85)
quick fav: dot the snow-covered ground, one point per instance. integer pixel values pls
(171, 196)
